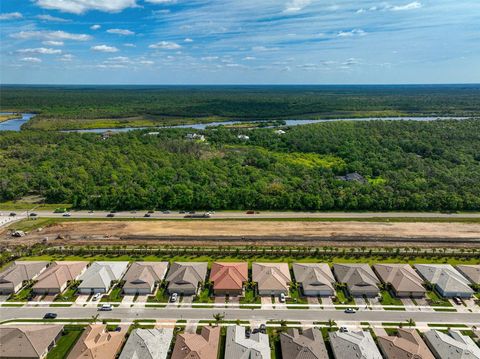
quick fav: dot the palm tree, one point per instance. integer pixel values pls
(94, 318)
(331, 323)
(218, 318)
(411, 322)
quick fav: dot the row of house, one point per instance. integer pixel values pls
(35, 341)
(228, 278)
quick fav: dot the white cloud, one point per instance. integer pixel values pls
(104, 48)
(40, 50)
(264, 48)
(50, 35)
(95, 27)
(123, 32)
(410, 6)
(351, 33)
(53, 43)
(81, 6)
(146, 62)
(188, 40)
(51, 18)
(66, 58)
(128, 44)
(11, 16)
(296, 5)
(33, 60)
(165, 45)
(209, 58)
(249, 58)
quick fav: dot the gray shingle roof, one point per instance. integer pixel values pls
(314, 276)
(308, 345)
(402, 277)
(144, 274)
(453, 345)
(239, 347)
(101, 274)
(356, 276)
(354, 345)
(186, 275)
(21, 271)
(445, 277)
(471, 272)
(148, 344)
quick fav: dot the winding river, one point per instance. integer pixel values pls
(15, 124)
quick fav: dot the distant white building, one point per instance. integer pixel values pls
(195, 136)
(243, 137)
(280, 132)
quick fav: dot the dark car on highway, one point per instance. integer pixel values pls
(33, 214)
(12, 214)
(50, 316)
(111, 215)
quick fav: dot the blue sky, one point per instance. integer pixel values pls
(239, 41)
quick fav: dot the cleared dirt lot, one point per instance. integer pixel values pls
(261, 232)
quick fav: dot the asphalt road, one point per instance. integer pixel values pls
(243, 215)
(244, 314)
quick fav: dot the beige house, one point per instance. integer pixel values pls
(98, 343)
(141, 277)
(271, 278)
(358, 277)
(57, 277)
(407, 344)
(28, 341)
(197, 346)
(403, 279)
(316, 279)
(12, 278)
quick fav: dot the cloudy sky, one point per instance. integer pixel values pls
(239, 41)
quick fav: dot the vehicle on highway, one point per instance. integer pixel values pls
(350, 311)
(203, 215)
(50, 316)
(96, 296)
(191, 212)
(111, 215)
(105, 308)
(147, 215)
(250, 212)
(282, 297)
(173, 297)
(91, 211)
(166, 212)
(12, 214)
(67, 215)
(33, 214)
(182, 212)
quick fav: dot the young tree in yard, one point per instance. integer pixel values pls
(218, 318)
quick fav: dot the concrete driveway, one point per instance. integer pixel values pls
(266, 302)
(3, 298)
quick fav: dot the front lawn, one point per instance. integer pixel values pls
(114, 296)
(250, 297)
(161, 296)
(66, 342)
(435, 300)
(23, 296)
(205, 296)
(69, 295)
(342, 297)
(389, 299)
(296, 297)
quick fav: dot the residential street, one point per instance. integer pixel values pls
(243, 314)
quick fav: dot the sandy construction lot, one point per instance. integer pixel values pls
(260, 232)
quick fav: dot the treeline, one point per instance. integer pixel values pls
(407, 166)
(240, 102)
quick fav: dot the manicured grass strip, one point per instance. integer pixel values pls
(388, 299)
(66, 342)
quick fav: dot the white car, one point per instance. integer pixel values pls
(97, 296)
(282, 297)
(174, 297)
(105, 308)
(350, 311)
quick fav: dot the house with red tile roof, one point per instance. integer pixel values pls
(228, 278)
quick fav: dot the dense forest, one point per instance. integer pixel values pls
(407, 165)
(89, 106)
